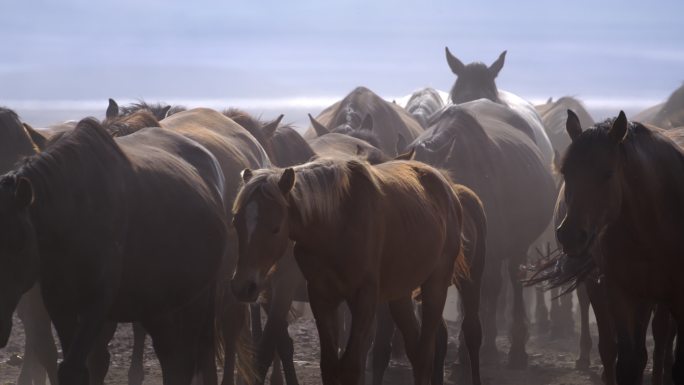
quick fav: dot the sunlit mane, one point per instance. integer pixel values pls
(320, 187)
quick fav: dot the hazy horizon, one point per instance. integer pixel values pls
(76, 51)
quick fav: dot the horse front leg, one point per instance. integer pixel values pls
(324, 310)
(517, 356)
(362, 306)
(490, 295)
(584, 359)
(607, 344)
(136, 373)
(660, 327)
(631, 322)
(678, 366)
(40, 358)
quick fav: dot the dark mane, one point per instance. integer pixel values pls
(15, 141)
(86, 158)
(159, 110)
(243, 118)
(126, 124)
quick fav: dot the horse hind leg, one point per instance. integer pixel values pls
(490, 294)
(660, 327)
(584, 360)
(99, 358)
(382, 344)
(434, 293)
(136, 372)
(517, 356)
(471, 329)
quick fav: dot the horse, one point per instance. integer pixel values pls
(159, 110)
(623, 186)
(336, 145)
(351, 223)
(19, 140)
(667, 115)
(553, 115)
(423, 103)
(234, 148)
(361, 111)
(95, 268)
(474, 235)
(503, 166)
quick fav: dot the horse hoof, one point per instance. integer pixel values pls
(582, 364)
(517, 360)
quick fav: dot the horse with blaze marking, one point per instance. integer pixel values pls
(362, 234)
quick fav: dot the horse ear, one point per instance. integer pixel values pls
(498, 64)
(36, 137)
(286, 181)
(407, 156)
(318, 127)
(573, 126)
(367, 123)
(112, 109)
(619, 129)
(455, 64)
(401, 143)
(23, 194)
(549, 100)
(246, 175)
(165, 111)
(270, 129)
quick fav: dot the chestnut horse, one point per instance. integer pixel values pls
(95, 268)
(362, 234)
(624, 193)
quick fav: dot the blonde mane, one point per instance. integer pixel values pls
(319, 189)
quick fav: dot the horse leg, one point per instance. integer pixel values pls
(99, 358)
(276, 374)
(631, 322)
(607, 345)
(441, 342)
(490, 295)
(669, 353)
(40, 357)
(232, 321)
(382, 344)
(471, 330)
(584, 360)
(434, 293)
(325, 313)
(362, 306)
(136, 373)
(541, 312)
(660, 327)
(517, 357)
(678, 366)
(406, 322)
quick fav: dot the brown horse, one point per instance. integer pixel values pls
(354, 226)
(335, 145)
(624, 184)
(94, 268)
(474, 236)
(554, 114)
(505, 169)
(362, 111)
(234, 148)
(665, 115)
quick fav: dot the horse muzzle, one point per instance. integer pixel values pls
(245, 290)
(575, 241)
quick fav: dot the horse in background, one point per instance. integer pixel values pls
(423, 103)
(362, 111)
(503, 166)
(623, 193)
(667, 115)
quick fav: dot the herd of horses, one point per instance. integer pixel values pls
(176, 220)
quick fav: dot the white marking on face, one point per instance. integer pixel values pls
(251, 215)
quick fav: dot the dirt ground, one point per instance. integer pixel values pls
(550, 363)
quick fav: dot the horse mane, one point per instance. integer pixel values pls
(159, 110)
(14, 138)
(126, 124)
(243, 118)
(319, 189)
(82, 154)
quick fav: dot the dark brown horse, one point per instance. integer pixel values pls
(351, 224)
(17, 141)
(94, 268)
(665, 115)
(624, 184)
(234, 148)
(505, 169)
(363, 110)
(423, 103)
